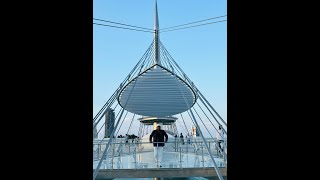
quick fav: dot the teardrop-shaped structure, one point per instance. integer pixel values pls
(157, 92)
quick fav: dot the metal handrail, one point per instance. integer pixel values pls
(176, 143)
(106, 141)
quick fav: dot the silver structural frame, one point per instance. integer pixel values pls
(200, 132)
(187, 81)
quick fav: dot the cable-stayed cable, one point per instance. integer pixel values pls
(122, 27)
(193, 26)
(192, 22)
(122, 24)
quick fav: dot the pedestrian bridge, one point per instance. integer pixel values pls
(180, 159)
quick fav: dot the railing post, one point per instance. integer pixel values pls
(224, 153)
(139, 150)
(158, 155)
(187, 148)
(120, 152)
(202, 155)
(112, 156)
(104, 159)
(105, 164)
(180, 158)
(135, 157)
(129, 148)
(216, 147)
(98, 151)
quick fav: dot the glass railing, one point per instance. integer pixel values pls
(176, 154)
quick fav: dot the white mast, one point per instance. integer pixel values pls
(156, 35)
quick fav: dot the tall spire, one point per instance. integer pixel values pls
(156, 35)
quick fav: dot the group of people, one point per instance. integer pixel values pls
(159, 137)
(182, 138)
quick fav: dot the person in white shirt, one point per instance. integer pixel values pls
(219, 136)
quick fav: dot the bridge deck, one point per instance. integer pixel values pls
(159, 172)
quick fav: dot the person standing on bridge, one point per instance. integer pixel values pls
(181, 138)
(159, 137)
(220, 136)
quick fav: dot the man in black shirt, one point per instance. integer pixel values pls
(159, 137)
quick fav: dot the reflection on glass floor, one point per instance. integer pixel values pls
(169, 160)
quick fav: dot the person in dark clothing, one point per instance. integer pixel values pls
(159, 137)
(181, 138)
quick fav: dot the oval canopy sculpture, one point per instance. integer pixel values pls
(157, 92)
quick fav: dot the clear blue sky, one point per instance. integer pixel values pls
(200, 51)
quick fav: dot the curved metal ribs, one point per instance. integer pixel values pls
(157, 92)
